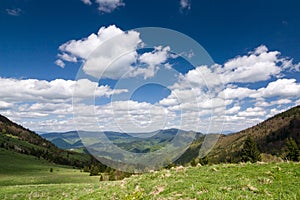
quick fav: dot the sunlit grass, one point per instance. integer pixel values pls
(223, 181)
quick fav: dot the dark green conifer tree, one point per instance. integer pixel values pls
(293, 152)
(250, 151)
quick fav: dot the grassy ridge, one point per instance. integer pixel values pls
(32, 180)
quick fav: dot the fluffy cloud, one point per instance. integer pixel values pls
(41, 101)
(152, 60)
(126, 116)
(84, 47)
(260, 65)
(86, 88)
(233, 110)
(5, 105)
(117, 57)
(59, 90)
(156, 57)
(142, 117)
(106, 6)
(272, 103)
(252, 112)
(259, 50)
(203, 76)
(280, 87)
(239, 92)
(106, 60)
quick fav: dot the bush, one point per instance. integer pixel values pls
(270, 158)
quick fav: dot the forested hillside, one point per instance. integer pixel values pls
(14, 137)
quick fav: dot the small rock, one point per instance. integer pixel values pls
(252, 188)
(157, 190)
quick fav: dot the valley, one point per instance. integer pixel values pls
(26, 174)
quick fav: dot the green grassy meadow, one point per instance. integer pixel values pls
(26, 177)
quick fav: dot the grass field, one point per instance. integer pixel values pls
(25, 177)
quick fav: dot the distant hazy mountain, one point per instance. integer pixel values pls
(270, 135)
(134, 142)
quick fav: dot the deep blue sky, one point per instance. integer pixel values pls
(29, 42)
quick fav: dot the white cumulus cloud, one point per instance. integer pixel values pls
(112, 53)
(252, 112)
(55, 91)
(260, 65)
(281, 88)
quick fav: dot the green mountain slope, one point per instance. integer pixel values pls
(270, 136)
(14, 137)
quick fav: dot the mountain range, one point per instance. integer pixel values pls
(67, 148)
(134, 142)
(270, 136)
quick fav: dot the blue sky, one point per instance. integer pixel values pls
(32, 32)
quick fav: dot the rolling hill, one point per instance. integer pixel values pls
(270, 136)
(16, 138)
(133, 143)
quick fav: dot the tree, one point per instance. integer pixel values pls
(250, 151)
(94, 170)
(293, 152)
